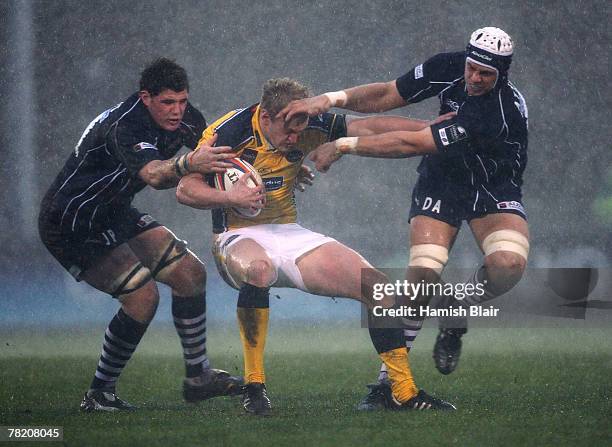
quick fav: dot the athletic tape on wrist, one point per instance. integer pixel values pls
(181, 165)
(337, 99)
(347, 145)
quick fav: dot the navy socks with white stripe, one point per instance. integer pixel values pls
(120, 340)
(189, 315)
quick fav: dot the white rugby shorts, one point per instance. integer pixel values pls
(283, 243)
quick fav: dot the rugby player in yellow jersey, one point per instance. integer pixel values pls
(271, 249)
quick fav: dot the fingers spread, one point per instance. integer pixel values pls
(222, 150)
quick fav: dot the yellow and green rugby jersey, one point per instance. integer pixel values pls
(240, 130)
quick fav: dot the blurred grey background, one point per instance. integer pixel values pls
(64, 62)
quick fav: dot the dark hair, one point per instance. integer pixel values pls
(279, 92)
(162, 74)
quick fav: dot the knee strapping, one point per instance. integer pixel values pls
(137, 276)
(429, 256)
(506, 240)
(175, 250)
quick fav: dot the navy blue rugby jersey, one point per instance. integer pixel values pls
(101, 174)
(486, 143)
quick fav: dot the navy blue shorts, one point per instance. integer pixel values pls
(79, 250)
(452, 203)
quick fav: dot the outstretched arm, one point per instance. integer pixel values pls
(373, 98)
(373, 125)
(397, 144)
(381, 137)
(368, 98)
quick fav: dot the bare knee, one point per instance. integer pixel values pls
(506, 263)
(506, 253)
(422, 275)
(504, 270)
(261, 273)
(186, 277)
(141, 303)
(191, 276)
(372, 291)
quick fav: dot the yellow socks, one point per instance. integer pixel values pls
(253, 324)
(398, 369)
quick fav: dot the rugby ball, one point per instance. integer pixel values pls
(225, 181)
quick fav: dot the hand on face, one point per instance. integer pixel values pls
(307, 106)
(281, 134)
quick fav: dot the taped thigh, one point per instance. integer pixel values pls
(136, 277)
(174, 251)
(506, 240)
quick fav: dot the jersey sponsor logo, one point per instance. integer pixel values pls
(294, 155)
(143, 145)
(418, 71)
(145, 221)
(443, 138)
(273, 183)
(511, 205)
(451, 134)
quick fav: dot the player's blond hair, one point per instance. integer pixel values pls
(279, 92)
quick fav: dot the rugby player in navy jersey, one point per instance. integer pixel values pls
(89, 225)
(471, 169)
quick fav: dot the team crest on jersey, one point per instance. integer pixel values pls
(273, 183)
(511, 205)
(263, 171)
(142, 146)
(294, 155)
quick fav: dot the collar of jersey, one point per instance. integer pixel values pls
(260, 139)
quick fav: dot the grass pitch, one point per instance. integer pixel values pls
(513, 387)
